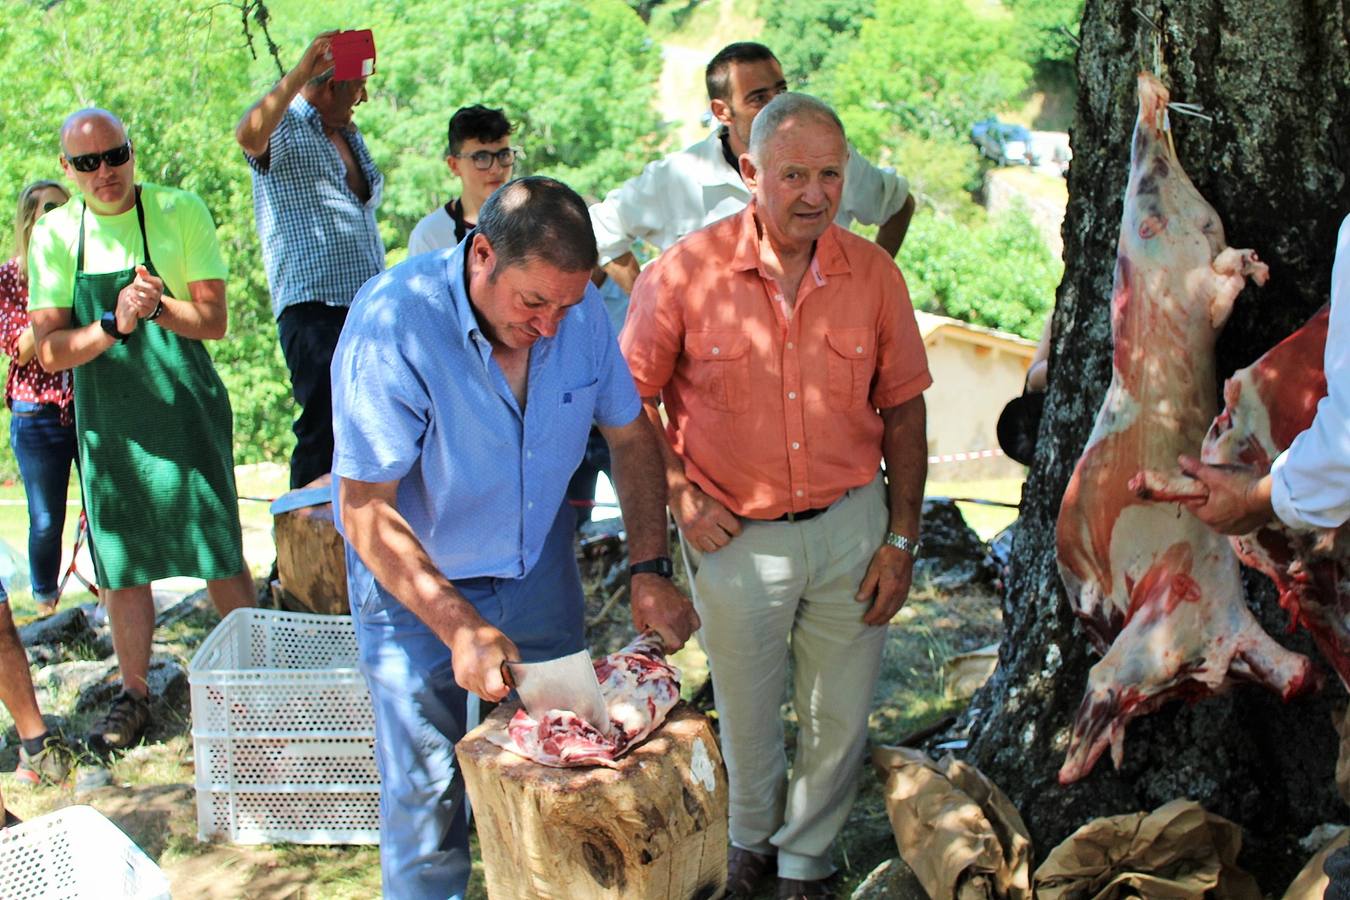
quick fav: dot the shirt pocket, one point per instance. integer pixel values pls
(851, 362)
(573, 416)
(720, 368)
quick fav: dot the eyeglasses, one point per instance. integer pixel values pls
(52, 204)
(482, 159)
(89, 162)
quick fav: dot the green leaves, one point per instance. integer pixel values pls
(578, 79)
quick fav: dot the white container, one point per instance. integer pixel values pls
(75, 853)
(282, 732)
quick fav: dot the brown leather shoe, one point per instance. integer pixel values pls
(748, 871)
(797, 889)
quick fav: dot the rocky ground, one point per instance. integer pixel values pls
(149, 792)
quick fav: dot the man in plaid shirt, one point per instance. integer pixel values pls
(315, 190)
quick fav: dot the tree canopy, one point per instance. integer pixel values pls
(578, 80)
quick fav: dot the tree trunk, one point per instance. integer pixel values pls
(1275, 77)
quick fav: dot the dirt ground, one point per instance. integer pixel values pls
(151, 797)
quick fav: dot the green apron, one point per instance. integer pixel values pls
(154, 426)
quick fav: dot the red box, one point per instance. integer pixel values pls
(353, 54)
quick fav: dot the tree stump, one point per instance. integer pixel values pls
(311, 563)
(656, 827)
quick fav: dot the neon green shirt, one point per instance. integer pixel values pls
(178, 226)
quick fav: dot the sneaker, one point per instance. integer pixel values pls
(124, 723)
(50, 765)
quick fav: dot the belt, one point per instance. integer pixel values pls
(799, 516)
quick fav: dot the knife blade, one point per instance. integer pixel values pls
(566, 683)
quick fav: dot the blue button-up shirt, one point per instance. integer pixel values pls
(418, 398)
(319, 241)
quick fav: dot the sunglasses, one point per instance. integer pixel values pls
(482, 160)
(52, 204)
(89, 162)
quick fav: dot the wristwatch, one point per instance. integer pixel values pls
(659, 565)
(900, 542)
(159, 311)
(109, 325)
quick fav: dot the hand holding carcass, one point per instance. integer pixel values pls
(659, 606)
(1236, 501)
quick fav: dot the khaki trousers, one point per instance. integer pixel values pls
(785, 590)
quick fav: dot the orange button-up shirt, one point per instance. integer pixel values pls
(774, 412)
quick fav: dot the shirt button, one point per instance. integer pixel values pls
(791, 346)
(859, 349)
(716, 350)
(792, 395)
(529, 505)
(799, 493)
(529, 454)
(796, 446)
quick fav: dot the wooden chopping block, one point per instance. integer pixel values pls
(311, 563)
(653, 829)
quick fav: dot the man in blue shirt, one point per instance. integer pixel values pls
(464, 385)
(315, 191)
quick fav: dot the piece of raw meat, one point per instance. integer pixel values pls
(1266, 406)
(639, 688)
(1158, 593)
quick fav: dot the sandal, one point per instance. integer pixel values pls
(747, 871)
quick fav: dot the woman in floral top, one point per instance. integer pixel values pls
(41, 425)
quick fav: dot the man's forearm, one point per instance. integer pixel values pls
(254, 130)
(387, 545)
(904, 446)
(892, 232)
(60, 347)
(203, 318)
(624, 271)
(640, 482)
(672, 467)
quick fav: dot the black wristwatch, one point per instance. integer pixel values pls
(659, 565)
(159, 311)
(109, 324)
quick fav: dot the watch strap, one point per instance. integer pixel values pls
(900, 542)
(659, 565)
(159, 311)
(109, 325)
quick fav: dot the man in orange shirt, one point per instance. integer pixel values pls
(786, 354)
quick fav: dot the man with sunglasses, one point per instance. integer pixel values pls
(480, 155)
(124, 286)
(702, 183)
(315, 191)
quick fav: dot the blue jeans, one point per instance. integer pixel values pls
(45, 450)
(420, 711)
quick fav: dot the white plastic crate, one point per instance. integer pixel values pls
(282, 731)
(75, 853)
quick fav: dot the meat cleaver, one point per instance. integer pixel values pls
(567, 682)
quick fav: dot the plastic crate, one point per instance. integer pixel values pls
(75, 853)
(282, 731)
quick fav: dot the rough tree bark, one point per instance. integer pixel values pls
(1275, 77)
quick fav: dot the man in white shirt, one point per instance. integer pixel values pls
(480, 155)
(1308, 485)
(702, 183)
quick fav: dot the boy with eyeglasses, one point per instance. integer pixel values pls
(480, 155)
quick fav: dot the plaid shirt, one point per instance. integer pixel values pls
(319, 241)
